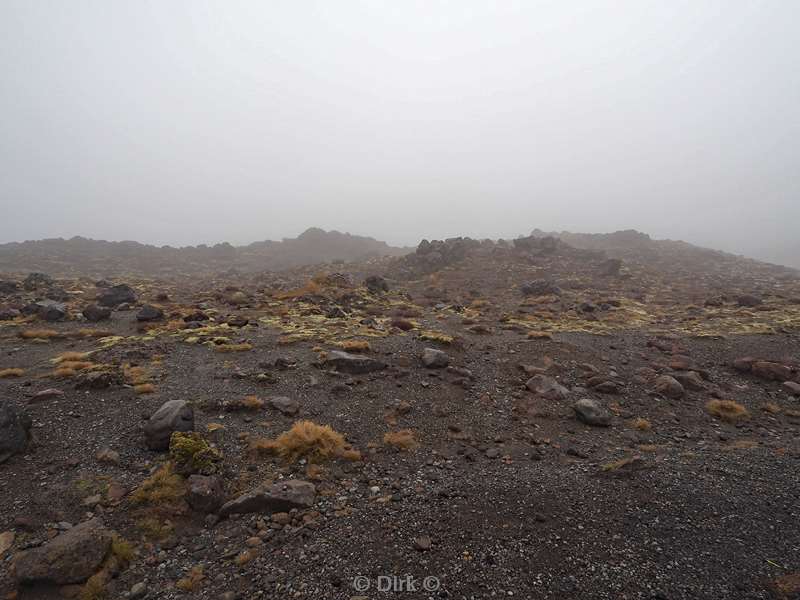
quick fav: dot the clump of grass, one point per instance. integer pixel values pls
(164, 487)
(39, 334)
(539, 335)
(88, 332)
(154, 528)
(252, 403)
(5, 373)
(233, 347)
(70, 368)
(70, 357)
(306, 439)
(641, 424)
(135, 375)
(619, 464)
(95, 587)
(122, 549)
(311, 288)
(193, 580)
(190, 453)
(402, 440)
(727, 410)
(144, 388)
(771, 407)
(354, 345)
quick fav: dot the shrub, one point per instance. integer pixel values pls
(727, 410)
(306, 439)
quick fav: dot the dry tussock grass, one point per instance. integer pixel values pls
(402, 440)
(306, 439)
(641, 424)
(193, 580)
(354, 345)
(4, 373)
(727, 410)
(311, 288)
(164, 487)
(40, 334)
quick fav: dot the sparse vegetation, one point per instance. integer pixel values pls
(192, 581)
(354, 345)
(244, 347)
(39, 334)
(727, 410)
(306, 439)
(7, 373)
(641, 424)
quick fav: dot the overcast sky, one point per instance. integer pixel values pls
(183, 122)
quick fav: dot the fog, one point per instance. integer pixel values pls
(187, 122)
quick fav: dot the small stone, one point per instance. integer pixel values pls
(590, 411)
(139, 590)
(669, 387)
(435, 359)
(150, 313)
(423, 543)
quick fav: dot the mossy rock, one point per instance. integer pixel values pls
(191, 454)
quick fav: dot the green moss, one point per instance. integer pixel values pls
(191, 453)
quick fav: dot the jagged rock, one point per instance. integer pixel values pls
(540, 287)
(96, 313)
(690, 380)
(669, 386)
(376, 284)
(50, 310)
(149, 313)
(98, 380)
(353, 363)
(15, 427)
(748, 300)
(174, 415)
(793, 387)
(71, 557)
(35, 281)
(771, 370)
(592, 413)
(287, 406)
(8, 287)
(206, 493)
(279, 497)
(435, 359)
(547, 387)
(116, 295)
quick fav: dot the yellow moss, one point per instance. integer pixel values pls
(306, 439)
(727, 410)
(233, 347)
(436, 336)
(190, 453)
(402, 440)
(4, 373)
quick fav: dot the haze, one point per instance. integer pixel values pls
(187, 122)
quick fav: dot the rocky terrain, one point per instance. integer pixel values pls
(97, 258)
(548, 417)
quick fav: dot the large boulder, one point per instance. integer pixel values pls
(353, 363)
(150, 313)
(15, 427)
(71, 557)
(96, 313)
(174, 415)
(771, 370)
(287, 406)
(590, 411)
(50, 310)
(278, 497)
(116, 295)
(376, 284)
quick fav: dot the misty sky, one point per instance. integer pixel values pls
(183, 122)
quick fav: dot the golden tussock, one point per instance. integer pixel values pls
(402, 440)
(306, 439)
(727, 410)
